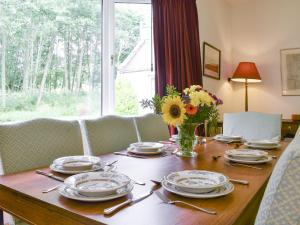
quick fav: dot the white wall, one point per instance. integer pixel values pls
(215, 28)
(252, 30)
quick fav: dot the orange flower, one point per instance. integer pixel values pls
(190, 109)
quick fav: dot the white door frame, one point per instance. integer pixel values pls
(108, 30)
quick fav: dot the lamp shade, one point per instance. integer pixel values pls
(246, 71)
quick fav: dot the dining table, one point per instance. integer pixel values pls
(21, 193)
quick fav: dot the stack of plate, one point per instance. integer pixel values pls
(263, 144)
(96, 186)
(77, 164)
(247, 156)
(146, 148)
(228, 139)
(197, 184)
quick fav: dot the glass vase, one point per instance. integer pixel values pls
(187, 139)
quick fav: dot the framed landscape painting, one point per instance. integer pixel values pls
(290, 71)
(211, 61)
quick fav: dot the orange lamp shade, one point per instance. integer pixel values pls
(246, 71)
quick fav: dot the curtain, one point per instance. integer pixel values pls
(176, 44)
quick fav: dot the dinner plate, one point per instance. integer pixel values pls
(265, 147)
(77, 163)
(72, 194)
(96, 167)
(218, 192)
(247, 161)
(263, 142)
(97, 183)
(153, 152)
(227, 137)
(196, 181)
(147, 146)
(246, 154)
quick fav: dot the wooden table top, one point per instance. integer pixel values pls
(26, 187)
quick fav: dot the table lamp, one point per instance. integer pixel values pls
(246, 72)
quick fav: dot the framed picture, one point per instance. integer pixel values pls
(290, 71)
(211, 61)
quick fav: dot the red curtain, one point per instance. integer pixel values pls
(176, 44)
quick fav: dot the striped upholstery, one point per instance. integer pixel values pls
(151, 127)
(110, 133)
(281, 201)
(252, 125)
(37, 143)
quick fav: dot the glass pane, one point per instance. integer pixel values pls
(133, 57)
(50, 52)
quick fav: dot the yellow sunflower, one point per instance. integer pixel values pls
(173, 110)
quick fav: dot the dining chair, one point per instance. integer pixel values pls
(36, 143)
(110, 133)
(151, 127)
(252, 125)
(281, 200)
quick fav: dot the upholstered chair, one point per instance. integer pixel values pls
(281, 200)
(252, 125)
(110, 133)
(151, 127)
(36, 143)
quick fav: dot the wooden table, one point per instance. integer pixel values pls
(20, 194)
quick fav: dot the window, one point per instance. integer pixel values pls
(53, 52)
(50, 54)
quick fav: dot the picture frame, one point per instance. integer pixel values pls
(211, 61)
(290, 71)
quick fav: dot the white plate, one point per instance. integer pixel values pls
(263, 142)
(77, 163)
(136, 151)
(266, 147)
(221, 191)
(246, 154)
(147, 146)
(244, 161)
(71, 194)
(196, 181)
(228, 138)
(60, 169)
(97, 183)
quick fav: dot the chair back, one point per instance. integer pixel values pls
(110, 133)
(151, 127)
(252, 125)
(36, 143)
(281, 200)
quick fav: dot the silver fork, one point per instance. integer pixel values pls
(168, 201)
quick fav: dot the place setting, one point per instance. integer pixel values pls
(228, 138)
(247, 157)
(263, 144)
(145, 150)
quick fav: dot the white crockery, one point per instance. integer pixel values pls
(152, 152)
(77, 163)
(102, 167)
(72, 194)
(147, 146)
(246, 154)
(196, 181)
(218, 192)
(263, 146)
(97, 183)
(247, 161)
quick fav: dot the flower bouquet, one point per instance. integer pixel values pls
(187, 111)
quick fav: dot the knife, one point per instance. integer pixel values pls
(126, 154)
(50, 175)
(130, 201)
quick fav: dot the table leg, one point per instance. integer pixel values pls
(1, 217)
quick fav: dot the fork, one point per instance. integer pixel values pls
(168, 201)
(244, 165)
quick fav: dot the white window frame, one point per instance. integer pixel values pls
(108, 80)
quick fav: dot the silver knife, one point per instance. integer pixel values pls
(50, 175)
(130, 201)
(126, 154)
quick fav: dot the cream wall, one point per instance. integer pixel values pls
(215, 28)
(252, 30)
